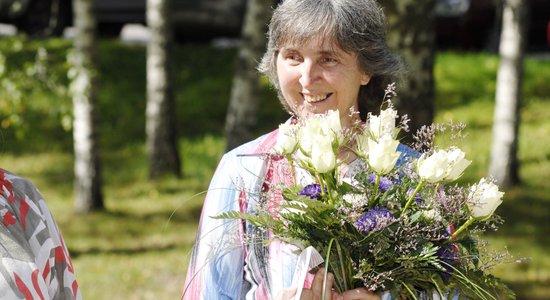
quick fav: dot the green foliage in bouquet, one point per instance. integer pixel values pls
(390, 220)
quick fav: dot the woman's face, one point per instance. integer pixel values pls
(319, 76)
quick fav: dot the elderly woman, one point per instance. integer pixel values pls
(322, 55)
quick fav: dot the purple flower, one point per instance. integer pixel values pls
(448, 255)
(312, 191)
(374, 220)
(384, 184)
(417, 198)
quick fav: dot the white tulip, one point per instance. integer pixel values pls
(483, 199)
(383, 154)
(286, 139)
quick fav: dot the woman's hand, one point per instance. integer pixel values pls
(316, 291)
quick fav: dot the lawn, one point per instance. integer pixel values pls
(138, 248)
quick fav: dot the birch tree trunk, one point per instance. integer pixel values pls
(243, 105)
(504, 163)
(412, 35)
(162, 148)
(88, 185)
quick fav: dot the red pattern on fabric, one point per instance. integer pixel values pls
(34, 277)
(8, 219)
(59, 254)
(4, 182)
(11, 197)
(23, 211)
(67, 258)
(46, 270)
(22, 287)
(61, 257)
(75, 288)
(277, 172)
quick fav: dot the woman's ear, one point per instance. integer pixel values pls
(365, 78)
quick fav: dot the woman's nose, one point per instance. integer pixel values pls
(309, 73)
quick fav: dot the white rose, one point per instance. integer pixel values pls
(383, 154)
(310, 130)
(323, 158)
(384, 124)
(362, 145)
(286, 139)
(442, 165)
(457, 164)
(483, 199)
(331, 126)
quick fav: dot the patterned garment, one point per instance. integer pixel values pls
(230, 259)
(35, 261)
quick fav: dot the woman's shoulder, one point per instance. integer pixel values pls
(260, 145)
(11, 183)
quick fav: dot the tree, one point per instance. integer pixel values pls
(243, 105)
(504, 163)
(162, 148)
(412, 35)
(88, 184)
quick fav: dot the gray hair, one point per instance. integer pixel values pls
(357, 26)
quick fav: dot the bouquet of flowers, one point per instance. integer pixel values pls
(393, 221)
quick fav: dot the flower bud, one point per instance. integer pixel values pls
(286, 139)
(383, 154)
(483, 199)
(323, 158)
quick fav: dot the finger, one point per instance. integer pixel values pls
(328, 287)
(360, 294)
(317, 284)
(307, 294)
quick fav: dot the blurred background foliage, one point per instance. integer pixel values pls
(34, 91)
(138, 248)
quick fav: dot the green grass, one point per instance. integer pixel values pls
(138, 248)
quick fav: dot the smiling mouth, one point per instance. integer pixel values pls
(315, 99)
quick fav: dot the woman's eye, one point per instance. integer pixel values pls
(293, 57)
(329, 60)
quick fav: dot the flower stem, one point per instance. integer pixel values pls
(376, 184)
(462, 228)
(411, 198)
(321, 184)
(292, 170)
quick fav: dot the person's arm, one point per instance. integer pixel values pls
(35, 262)
(216, 265)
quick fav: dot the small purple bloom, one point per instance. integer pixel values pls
(417, 198)
(448, 255)
(312, 191)
(374, 220)
(384, 184)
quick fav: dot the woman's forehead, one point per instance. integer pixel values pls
(319, 44)
(315, 41)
